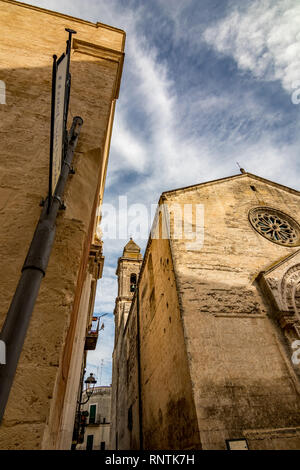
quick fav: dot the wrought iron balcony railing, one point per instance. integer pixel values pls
(92, 335)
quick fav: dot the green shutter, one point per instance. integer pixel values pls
(89, 442)
(92, 413)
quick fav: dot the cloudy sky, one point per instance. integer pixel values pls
(206, 84)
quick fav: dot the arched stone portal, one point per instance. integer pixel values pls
(281, 283)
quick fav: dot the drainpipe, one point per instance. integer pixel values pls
(34, 269)
(139, 368)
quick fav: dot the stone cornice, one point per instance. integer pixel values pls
(62, 15)
(271, 433)
(104, 53)
(123, 258)
(282, 261)
(96, 261)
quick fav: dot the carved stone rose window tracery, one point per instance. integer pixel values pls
(275, 226)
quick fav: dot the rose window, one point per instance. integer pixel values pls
(275, 226)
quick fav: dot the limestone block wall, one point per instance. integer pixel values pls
(62, 439)
(29, 37)
(169, 418)
(168, 413)
(244, 383)
(124, 436)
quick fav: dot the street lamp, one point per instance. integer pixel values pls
(90, 385)
(81, 416)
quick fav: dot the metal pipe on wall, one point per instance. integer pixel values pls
(34, 269)
(139, 368)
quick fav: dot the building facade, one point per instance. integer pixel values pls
(207, 358)
(42, 403)
(97, 431)
(128, 269)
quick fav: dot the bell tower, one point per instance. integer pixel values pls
(128, 270)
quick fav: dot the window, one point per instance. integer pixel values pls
(2, 92)
(102, 446)
(92, 414)
(275, 226)
(132, 282)
(89, 442)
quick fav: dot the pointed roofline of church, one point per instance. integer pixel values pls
(221, 180)
(131, 247)
(131, 252)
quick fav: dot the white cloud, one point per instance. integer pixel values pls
(128, 146)
(264, 39)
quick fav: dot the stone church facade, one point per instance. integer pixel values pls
(204, 359)
(42, 403)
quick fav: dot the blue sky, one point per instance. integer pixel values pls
(206, 83)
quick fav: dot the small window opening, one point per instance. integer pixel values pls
(92, 417)
(132, 282)
(90, 442)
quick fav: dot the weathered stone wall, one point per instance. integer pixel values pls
(125, 389)
(243, 379)
(29, 37)
(124, 406)
(168, 412)
(215, 364)
(169, 418)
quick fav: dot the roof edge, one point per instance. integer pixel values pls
(63, 15)
(221, 180)
(281, 261)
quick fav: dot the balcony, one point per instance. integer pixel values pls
(92, 335)
(97, 420)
